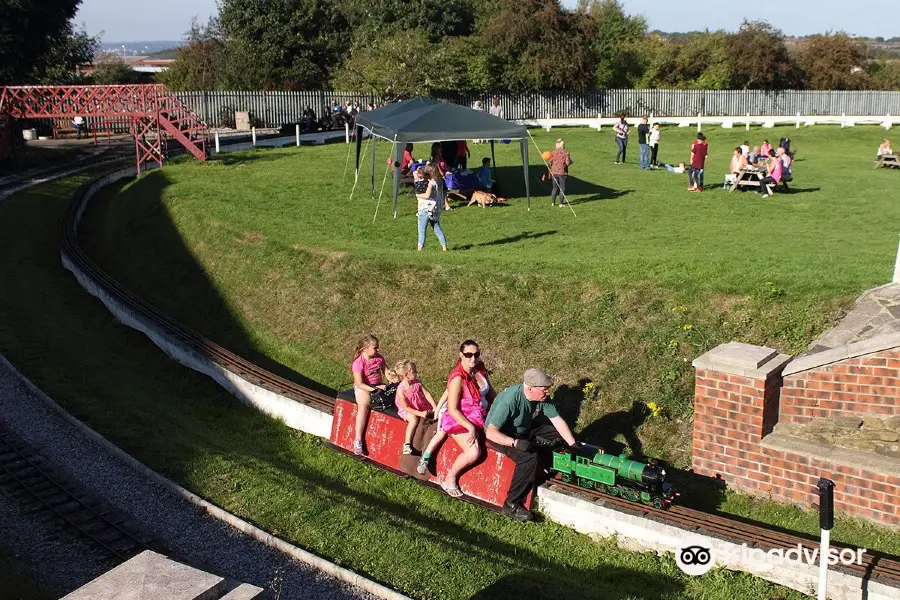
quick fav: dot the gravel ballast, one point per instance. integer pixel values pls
(189, 535)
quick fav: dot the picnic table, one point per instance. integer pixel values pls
(748, 177)
(888, 160)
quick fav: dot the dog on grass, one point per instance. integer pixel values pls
(484, 199)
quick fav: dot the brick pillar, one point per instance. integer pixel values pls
(736, 395)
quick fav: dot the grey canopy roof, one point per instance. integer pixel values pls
(427, 120)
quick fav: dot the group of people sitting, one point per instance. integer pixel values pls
(521, 421)
(775, 162)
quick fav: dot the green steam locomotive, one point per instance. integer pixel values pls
(591, 468)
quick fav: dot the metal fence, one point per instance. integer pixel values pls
(272, 109)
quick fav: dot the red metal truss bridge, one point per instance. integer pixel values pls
(155, 114)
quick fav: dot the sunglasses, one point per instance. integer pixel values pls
(472, 354)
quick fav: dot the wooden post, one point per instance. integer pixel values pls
(298, 135)
(253, 134)
(217, 142)
(748, 121)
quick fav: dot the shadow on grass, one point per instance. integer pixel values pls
(240, 157)
(525, 235)
(545, 578)
(513, 185)
(173, 262)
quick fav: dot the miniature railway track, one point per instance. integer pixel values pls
(875, 566)
(46, 495)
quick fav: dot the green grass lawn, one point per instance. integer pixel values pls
(183, 425)
(266, 253)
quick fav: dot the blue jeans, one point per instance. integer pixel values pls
(423, 225)
(622, 143)
(645, 155)
(695, 177)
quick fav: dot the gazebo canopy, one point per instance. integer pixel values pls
(427, 120)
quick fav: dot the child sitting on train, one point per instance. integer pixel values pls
(368, 375)
(414, 402)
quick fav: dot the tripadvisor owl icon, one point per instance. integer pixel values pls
(695, 555)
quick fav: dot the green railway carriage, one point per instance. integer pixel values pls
(615, 475)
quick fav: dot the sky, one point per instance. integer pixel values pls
(139, 20)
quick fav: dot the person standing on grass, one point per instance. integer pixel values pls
(431, 204)
(699, 151)
(621, 129)
(643, 144)
(654, 145)
(560, 159)
(368, 375)
(495, 108)
(524, 425)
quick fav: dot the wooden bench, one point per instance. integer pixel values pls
(748, 177)
(64, 126)
(888, 160)
(487, 481)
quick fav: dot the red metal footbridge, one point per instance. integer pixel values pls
(156, 114)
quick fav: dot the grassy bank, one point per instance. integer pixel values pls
(183, 425)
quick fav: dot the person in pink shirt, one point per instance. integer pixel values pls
(413, 401)
(368, 375)
(464, 419)
(766, 148)
(775, 168)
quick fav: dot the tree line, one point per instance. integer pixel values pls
(414, 47)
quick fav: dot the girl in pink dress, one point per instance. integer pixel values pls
(368, 374)
(413, 401)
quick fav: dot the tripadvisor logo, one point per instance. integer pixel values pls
(695, 555)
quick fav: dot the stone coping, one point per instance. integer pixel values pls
(744, 360)
(865, 461)
(826, 357)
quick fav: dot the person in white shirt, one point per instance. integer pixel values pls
(495, 108)
(78, 123)
(745, 148)
(654, 145)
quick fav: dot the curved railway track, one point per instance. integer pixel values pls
(45, 494)
(875, 566)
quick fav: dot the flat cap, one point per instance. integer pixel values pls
(537, 378)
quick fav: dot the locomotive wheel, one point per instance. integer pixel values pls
(657, 503)
(612, 490)
(566, 477)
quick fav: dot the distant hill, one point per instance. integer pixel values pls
(140, 48)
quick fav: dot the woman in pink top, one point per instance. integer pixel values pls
(368, 375)
(465, 414)
(766, 148)
(413, 401)
(775, 168)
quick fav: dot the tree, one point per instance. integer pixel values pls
(37, 41)
(535, 45)
(833, 61)
(112, 70)
(885, 74)
(696, 61)
(284, 44)
(199, 64)
(371, 19)
(620, 43)
(760, 59)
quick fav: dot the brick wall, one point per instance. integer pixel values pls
(737, 405)
(868, 384)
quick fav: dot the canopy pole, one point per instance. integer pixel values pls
(347, 162)
(386, 168)
(357, 168)
(546, 164)
(493, 161)
(373, 167)
(398, 155)
(358, 148)
(523, 145)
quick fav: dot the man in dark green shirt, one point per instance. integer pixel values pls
(520, 416)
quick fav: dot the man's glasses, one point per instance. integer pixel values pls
(472, 354)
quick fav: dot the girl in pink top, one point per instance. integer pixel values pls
(465, 414)
(368, 374)
(766, 148)
(769, 182)
(413, 401)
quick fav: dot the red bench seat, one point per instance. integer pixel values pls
(487, 481)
